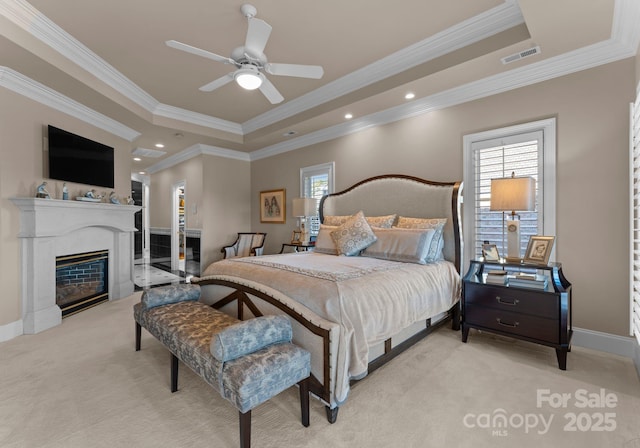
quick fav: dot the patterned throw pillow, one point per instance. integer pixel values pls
(324, 242)
(353, 236)
(437, 243)
(374, 221)
(406, 245)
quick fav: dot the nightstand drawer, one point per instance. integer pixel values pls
(517, 324)
(512, 300)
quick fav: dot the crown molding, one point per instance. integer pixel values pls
(612, 50)
(176, 113)
(36, 91)
(194, 151)
(472, 30)
(623, 43)
(489, 23)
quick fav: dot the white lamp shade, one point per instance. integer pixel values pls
(304, 207)
(513, 194)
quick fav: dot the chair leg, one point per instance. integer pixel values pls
(245, 429)
(174, 373)
(304, 401)
(138, 336)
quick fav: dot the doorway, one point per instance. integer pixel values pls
(178, 237)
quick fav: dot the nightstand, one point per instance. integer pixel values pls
(297, 247)
(539, 315)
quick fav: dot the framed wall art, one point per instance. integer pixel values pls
(272, 206)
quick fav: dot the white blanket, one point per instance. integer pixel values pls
(370, 299)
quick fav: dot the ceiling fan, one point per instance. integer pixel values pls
(251, 62)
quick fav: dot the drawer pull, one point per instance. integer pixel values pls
(513, 325)
(502, 302)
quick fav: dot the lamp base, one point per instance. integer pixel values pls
(513, 239)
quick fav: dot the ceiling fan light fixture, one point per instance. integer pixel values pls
(248, 79)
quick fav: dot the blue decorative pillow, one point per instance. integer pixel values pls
(249, 336)
(170, 294)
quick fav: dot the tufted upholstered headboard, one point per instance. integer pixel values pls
(405, 196)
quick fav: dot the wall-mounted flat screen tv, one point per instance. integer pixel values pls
(73, 158)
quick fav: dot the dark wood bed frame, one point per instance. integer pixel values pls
(242, 296)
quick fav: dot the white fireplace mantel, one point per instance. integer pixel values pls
(50, 228)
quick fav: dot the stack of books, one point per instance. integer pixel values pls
(496, 277)
(522, 280)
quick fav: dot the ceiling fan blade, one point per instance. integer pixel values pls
(198, 51)
(213, 85)
(300, 71)
(257, 35)
(270, 91)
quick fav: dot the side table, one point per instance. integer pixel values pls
(536, 314)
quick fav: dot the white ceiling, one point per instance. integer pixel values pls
(111, 57)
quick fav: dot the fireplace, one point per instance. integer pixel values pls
(82, 281)
(52, 228)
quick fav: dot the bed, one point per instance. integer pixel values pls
(355, 313)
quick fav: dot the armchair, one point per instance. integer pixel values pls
(247, 244)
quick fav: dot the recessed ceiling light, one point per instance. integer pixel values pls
(159, 145)
(137, 159)
(348, 116)
(410, 96)
(141, 172)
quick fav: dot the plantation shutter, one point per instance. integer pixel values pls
(521, 154)
(634, 167)
(315, 182)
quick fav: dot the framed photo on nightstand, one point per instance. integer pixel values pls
(539, 249)
(490, 252)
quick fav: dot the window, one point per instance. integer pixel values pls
(526, 150)
(634, 194)
(315, 182)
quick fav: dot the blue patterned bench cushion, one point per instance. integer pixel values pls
(187, 328)
(251, 335)
(170, 294)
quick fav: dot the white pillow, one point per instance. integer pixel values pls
(324, 242)
(437, 244)
(407, 245)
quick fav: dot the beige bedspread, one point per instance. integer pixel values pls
(370, 299)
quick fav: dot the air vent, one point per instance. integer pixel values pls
(143, 152)
(521, 55)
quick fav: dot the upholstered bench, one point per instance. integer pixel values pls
(247, 362)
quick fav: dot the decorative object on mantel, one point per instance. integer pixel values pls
(90, 196)
(130, 201)
(65, 192)
(113, 198)
(42, 192)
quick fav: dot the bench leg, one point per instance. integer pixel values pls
(304, 401)
(138, 336)
(174, 373)
(245, 429)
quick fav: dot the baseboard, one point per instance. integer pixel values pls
(11, 330)
(604, 342)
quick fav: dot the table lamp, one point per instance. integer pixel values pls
(303, 207)
(511, 194)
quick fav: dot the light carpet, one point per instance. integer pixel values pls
(82, 384)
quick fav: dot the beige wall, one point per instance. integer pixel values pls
(22, 127)
(161, 187)
(591, 108)
(216, 200)
(592, 111)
